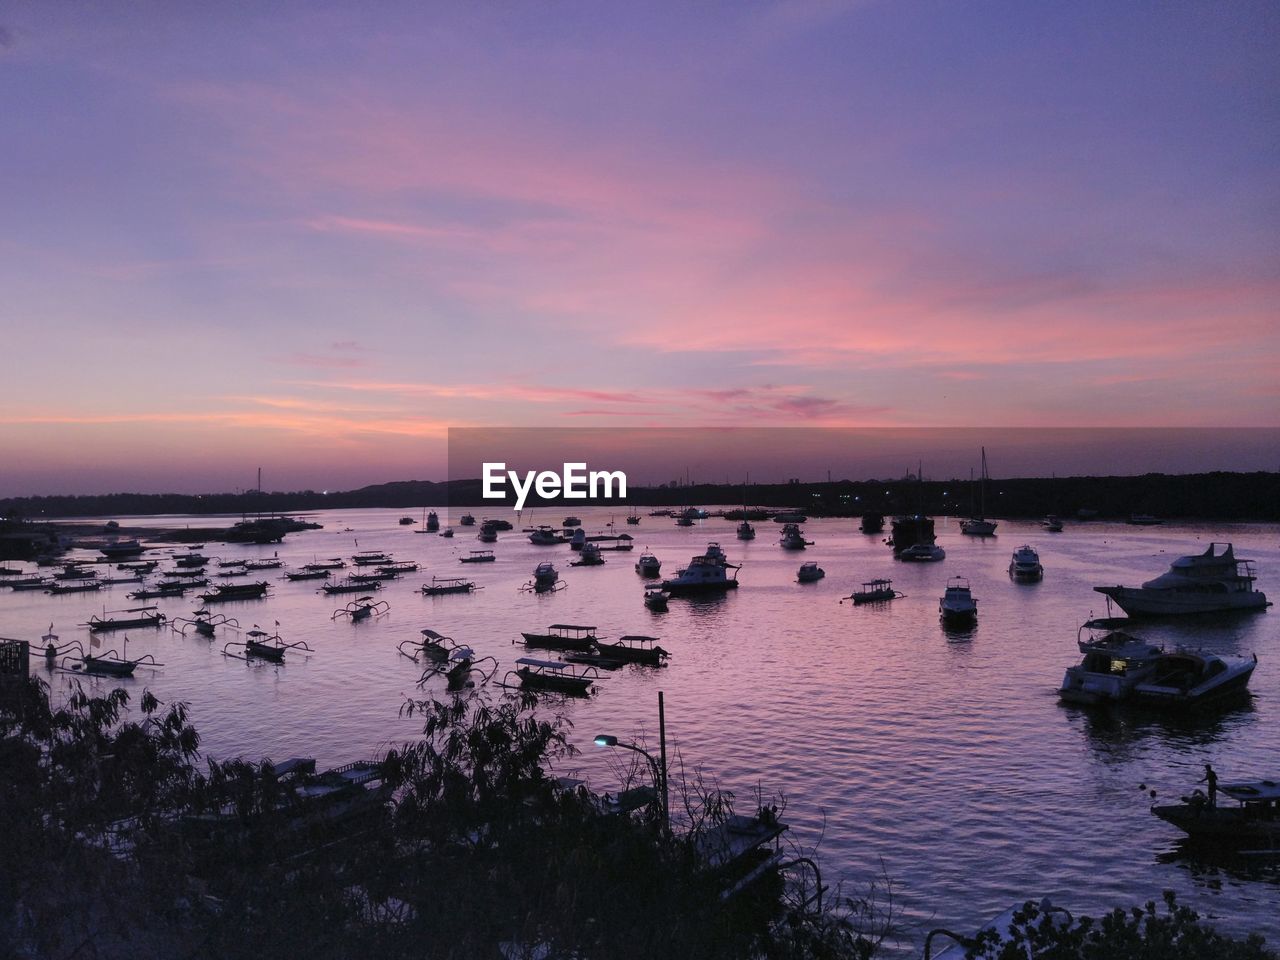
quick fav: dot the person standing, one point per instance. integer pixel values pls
(1210, 779)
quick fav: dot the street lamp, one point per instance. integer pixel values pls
(659, 775)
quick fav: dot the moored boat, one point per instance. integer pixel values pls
(1114, 662)
(562, 636)
(1253, 821)
(922, 553)
(1185, 678)
(655, 598)
(1052, 524)
(478, 556)
(1025, 565)
(634, 649)
(648, 565)
(555, 676)
(440, 586)
(874, 591)
(957, 605)
(810, 573)
(702, 575)
(1215, 581)
(871, 523)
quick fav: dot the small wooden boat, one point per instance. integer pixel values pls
(308, 575)
(590, 557)
(371, 558)
(75, 586)
(159, 593)
(562, 636)
(433, 646)
(334, 564)
(555, 676)
(487, 534)
(149, 617)
(204, 623)
(656, 598)
(395, 569)
(28, 583)
(407, 521)
(182, 584)
(362, 608)
(874, 591)
(109, 664)
(478, 556)
(373, 577)
(269, 564)
(260, 645)
(188, 560)
(871, 523)
(634, 649)
(1254, 820)
(350, 586)
(442, 585)
(227, 592)
(546, 579)
(467, 520)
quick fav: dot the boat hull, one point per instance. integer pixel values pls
(549, 641)
(1226, 826)
(1140, 602)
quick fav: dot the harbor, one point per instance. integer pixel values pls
(948, 759)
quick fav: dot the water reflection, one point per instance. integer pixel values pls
(1115, 732)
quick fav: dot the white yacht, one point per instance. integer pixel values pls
(957, 604)
(1025, 566)
(1114, 662)
(922, 553)
(703, 575)
(648, 565)
(1209, 582)
(545, 536)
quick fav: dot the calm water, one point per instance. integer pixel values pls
(951, 762)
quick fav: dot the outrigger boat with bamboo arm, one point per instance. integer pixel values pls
(260, 645)
(442, 585)
(350, 586)
(554, 676)
(362, 608)
(433, 646)
(150, 617)
(109, 664)
(457, 668)
(228, 592)
(562, 636)
(204, 623)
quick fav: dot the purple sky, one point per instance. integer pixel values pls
(311, 237)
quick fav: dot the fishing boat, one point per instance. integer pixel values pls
(371, 558)
(498, 524)
(634, 649)
(655, 598)
(204, 623)
(467, 520)
(1025, 565)
(308, 575)
(362, 608)
(447, 533)
(1052, 524)
(978, 525)
(1185, 678)
(147, 617)
(433, 646)
(225, 592)
(633, 518)
(236, 571)
(407, 521)
(19, 584)
(648, 565)
(188, 574)
(1253, 821)
(957, 605)
(142, 566)
(702, 575)
(439, 586)
(1114, 662)
(562, 636)
(351, 586)
(1215, 581)
(113, 581)
(871, 523)
(271, 563)
(337, 563)
(715, 553)
(590, 557)
(121, 548)
(792, 538)
(260, 645)
(74, 586)
(478, 556)
(433, 521)
(160, 592)
(74, 571)
(745, 530)
(395, 569)
(190, 560)
(555, 676)
(810, 573)
(874, 591)
(684, 520)
(922, 553)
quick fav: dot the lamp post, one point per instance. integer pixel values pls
(659, 777)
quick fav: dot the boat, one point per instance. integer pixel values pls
(1253, 822)
(633, 518)
(467, 520)
(225, 592)
(746, 531)
(496, 524)
(204, 623)
(402, 566)
(189, 560)
(957, 605)
(922, 553)
(702, 575)
(148, 617)
(73, 571)
(440, 586)
(351, 586)
(433, 521)
(590, 557)
(715, 552)
(655, 598)
(874, 591)
(871, 523)
(188, 575)
(260, 645)
(570, 522)
(433, 646)
(185, 583)
(371, 558)
(1215, 581)
(1186, 678)
(272, 563)
(160, 592)
(545, 579)
(1025, 566)
(810, 573)
(555, 676)
(121, 548)
(447, 533)
(685, 519)
(488, 534)
(140, 566)
(74, 586)
(790, 516)
(28, 583)
(1052, 524)
(634, 649)
(1114, 662)
(577, 539)
(478, 556)
(407, 521)
(792, 538)
(308, 575)
(335, 564)
(1143, 520)
(362, 608)
(978, 525)
(562, 636)
(545, 536)
(648, 565)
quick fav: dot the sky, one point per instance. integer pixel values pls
(312, 237)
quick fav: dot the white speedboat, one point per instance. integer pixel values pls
(810, 573)
(1025, 566)
(1190, 678)
(1114, 662)
(703, 575)
(957, 605)
(922, 553)
(648, 565)
(1209, 582)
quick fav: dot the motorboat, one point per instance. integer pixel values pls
(874, 591)
(957, 604)
(120, 549)
(655, 598)
(907, 531)
(447, 533)
(871, 523)
(545, 536)
(307, 575)
(337, 563)
(487, 534)
(545, 578)
(1051, 524)
(1114, 662)
(792, 538)
(978, 525)
(570, 522)
(563, 636)
(496, 524)
(407, 521)
(590, 556)
(577, 539)
(1253, 821)
(467, 520)
(1025, 566)
(922, 553)
(702, 575)
(478, 556)
(1210, 582)
(746, 531)
(433, 521)
(648, 565)
(810, 573)
(1187, 678)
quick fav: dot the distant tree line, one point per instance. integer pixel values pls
(1213, 496)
